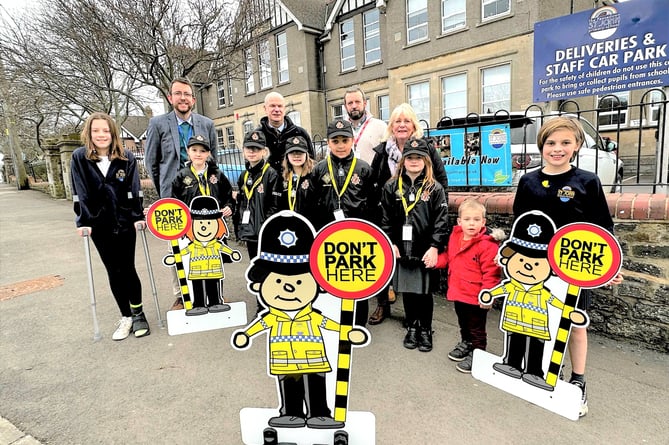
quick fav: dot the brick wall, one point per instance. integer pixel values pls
(638, 309)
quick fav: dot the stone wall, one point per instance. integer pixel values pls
(637, 310)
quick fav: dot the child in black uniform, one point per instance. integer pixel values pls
(415, 218)
(567, 194)
(108, 203)
(297, 194)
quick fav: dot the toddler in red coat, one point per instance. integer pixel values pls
(470, 259)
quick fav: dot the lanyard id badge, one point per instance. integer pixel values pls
(246, 216)
(407, 232)
(339, 215)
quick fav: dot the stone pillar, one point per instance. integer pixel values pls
(54, 170)
(66, 145)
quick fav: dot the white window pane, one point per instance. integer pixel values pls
(453, 14)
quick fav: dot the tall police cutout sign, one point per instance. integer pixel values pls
(546, 270)
(306, 281)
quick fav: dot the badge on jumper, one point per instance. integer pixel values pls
(407, 232)
(292, 193)
(339, 215)
(412, 197)
(246, 216)
(340, 172)
(249, 182)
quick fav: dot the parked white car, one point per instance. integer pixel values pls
(595, 155)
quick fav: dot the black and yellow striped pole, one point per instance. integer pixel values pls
(353, 260)
(583, 255)
(170, 219)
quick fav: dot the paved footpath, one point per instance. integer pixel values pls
(59, 387)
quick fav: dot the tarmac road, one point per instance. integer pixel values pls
(60, 387)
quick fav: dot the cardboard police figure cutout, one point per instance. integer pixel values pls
(540, 309)
(302, 339)
(206, 238)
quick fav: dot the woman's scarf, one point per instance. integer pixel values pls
(394, 154)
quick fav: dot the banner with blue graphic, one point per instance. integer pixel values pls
(602, 51)
(476, 155)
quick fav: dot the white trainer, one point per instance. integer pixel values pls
(123, 328)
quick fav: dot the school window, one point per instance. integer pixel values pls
(495, 8)
(230, 133)
(295, 117)
(264, 65)
(454, 96)
(229, 91)
(654, 101)
(282, 57)
(370, 23)
(220, 139)
(347, 45)
(416, 20)
(419, 99)
(221, 86)
(384, 107)
(496, 88)
(453, 15)
(613, 110)
(248, 71)
(248, 126)
(338, 112)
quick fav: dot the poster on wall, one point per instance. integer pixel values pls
(603, 51)
(476, 155)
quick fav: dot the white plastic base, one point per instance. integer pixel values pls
(564, 400)
(180, 323)
(360, 426)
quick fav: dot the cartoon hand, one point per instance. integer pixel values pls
(169, 260)
(485, 298)
(236, 255)
(140, 225)
(578, 317)
(240, 340)
(357, 336)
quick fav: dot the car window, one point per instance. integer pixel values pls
(591, 136)
(526, 134)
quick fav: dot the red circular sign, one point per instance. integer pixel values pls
(168, 219)
(352, 259)
(584, 255)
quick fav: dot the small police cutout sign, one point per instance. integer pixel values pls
(585, 255)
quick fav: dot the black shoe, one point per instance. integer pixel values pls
(465, 365)
(411, 339)
(461, 351)
(140, 327)
(425, 340)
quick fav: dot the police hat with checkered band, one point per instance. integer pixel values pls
(297, 143)
(531, 234)
(205, 207)
(284, 243)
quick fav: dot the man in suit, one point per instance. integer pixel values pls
(166, 149)
(166, 138)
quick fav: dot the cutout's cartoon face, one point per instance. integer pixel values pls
(526, 269)
(287, 292)
(205, 229)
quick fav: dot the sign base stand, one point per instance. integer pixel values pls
(564, 400)
(180, 323)
(360, 426)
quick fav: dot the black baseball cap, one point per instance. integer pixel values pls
(340, 127)
(297, 143)
(255, 139)
(198, 139)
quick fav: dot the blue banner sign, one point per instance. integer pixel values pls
(602, 51)
(476, 155)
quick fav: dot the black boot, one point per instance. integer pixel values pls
(425, 340)
(140, 327)
(411, 339)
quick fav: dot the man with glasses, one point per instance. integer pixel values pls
(165, 152)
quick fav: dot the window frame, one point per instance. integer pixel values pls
(249, 79)
(346, 40)
(507, 101)
(622, 103)
(420, 112)
(282, 65)
(496, 15)
(230, 136)
(370, 33)
(383, 103)
(264, 65)
(424, 24)
(221, 90)
(445, 18)
(446, 93)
